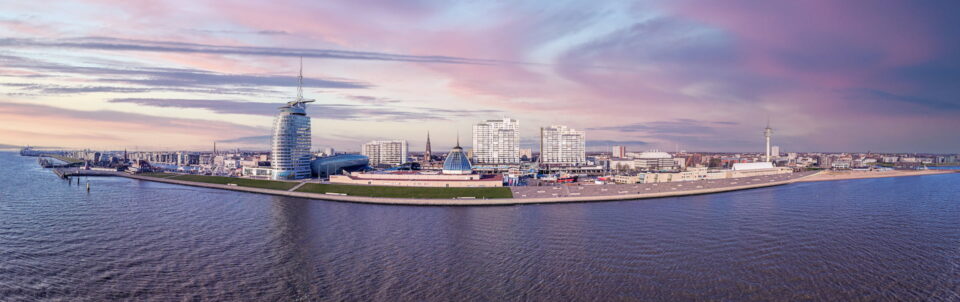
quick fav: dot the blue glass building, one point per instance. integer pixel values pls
(290, 155)
(457, 162)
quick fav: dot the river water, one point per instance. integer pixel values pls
(877, 239)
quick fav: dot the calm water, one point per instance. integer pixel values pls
(879, 239)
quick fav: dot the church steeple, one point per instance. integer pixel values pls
(427, 156)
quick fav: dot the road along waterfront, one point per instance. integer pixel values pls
(550, 194)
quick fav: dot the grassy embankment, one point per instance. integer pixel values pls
(68, 160)
(351, 190)
(407, 192)
(158, 174)
(243, 182)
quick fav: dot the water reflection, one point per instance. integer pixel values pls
(880, 239)
(290, 247)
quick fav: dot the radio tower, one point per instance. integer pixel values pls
(766, 134)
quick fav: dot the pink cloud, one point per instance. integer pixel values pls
(44, 125)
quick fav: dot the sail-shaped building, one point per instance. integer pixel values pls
(290, 155)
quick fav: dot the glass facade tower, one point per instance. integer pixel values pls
(290, 155)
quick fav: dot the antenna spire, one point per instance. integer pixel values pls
(300, 81)
(458, 138)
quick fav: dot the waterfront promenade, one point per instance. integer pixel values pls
(612, 191)
(600, 195)
(552, 194)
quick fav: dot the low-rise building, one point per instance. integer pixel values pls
(325, 166)
(421, 179)
(702, 173)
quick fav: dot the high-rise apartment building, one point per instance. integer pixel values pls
(562, 145)
(328, 151)
(390, 152)
(290, 152)
(619, 152)
(496, 142)
(775, 151)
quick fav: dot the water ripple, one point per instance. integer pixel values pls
(877, 239)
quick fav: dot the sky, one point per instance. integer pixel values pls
(854, 76)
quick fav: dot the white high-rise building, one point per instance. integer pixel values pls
(391, 152)
(562, 145)
(496, 142)
(290, 155)
(619, 152)
(775, 151)
(329, 151)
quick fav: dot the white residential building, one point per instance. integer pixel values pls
(562, 145)
(391, 152)
(619, 152)
(497, 142)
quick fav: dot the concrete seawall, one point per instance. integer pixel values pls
(485, 202)
(459, 202)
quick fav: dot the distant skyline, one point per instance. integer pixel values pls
(830, 75)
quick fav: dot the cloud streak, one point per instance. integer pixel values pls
(117, 44)
(173, 77)
(317, 110)
(675, 127)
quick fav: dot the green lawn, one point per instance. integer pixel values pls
(68, 160)
(407, 192)
(243, 182)
(158, 174)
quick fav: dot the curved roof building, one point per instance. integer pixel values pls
(290, 152)
(326, 166)
(457, 162)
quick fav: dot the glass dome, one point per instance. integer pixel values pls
(457, 162)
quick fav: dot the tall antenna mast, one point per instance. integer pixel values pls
(300, 81)
(767, 132)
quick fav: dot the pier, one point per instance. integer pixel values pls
(70, 172)
(58, 162)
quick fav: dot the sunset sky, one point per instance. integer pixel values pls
(880, 76)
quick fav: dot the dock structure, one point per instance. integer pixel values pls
(47, 162)
(70, 172)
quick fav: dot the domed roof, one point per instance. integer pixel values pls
(655, 155)
(457, 162)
